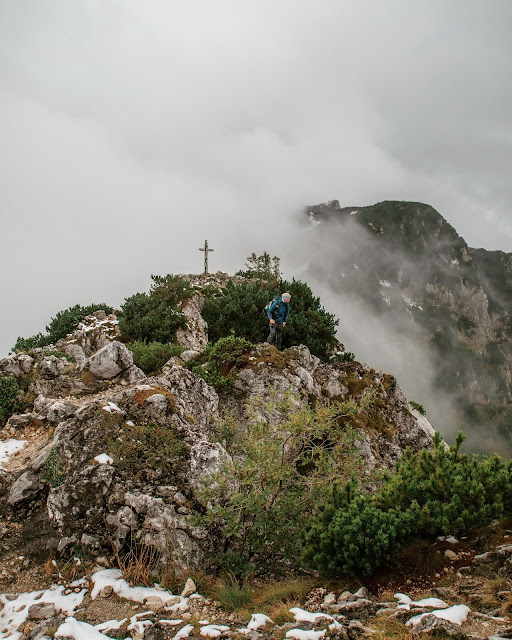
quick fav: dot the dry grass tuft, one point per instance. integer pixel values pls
(137, 564)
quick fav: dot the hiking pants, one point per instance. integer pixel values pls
(275, 335)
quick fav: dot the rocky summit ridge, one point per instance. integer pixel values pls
(106, 454)
(88, 397)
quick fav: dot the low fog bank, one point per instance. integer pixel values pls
(345, 265)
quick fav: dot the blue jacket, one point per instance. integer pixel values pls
(279, 310)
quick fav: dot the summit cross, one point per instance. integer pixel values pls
(206, 251)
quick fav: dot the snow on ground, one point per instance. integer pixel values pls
(112, 408)
(301, 634)
(184, 632)
(78, 630)
(15, 612)
(305, 616)
(9, 447)
(103, 458)
(405, 602)
(456, 614)
(112, 578)
(213, 630)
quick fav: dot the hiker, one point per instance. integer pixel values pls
(278, 313)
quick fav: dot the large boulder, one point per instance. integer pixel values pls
(110, 361)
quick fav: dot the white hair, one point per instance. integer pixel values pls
(286, 296)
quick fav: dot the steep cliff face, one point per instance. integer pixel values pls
(408, 263)
(106, 453)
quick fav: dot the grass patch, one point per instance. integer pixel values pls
(141, 396)
(52, 472)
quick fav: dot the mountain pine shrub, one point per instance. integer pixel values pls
(265, 497)
(10, 402)
(63, 323)
(431, 493)
(155, 316)
(220, 359)
(240, 311)
(152, 356)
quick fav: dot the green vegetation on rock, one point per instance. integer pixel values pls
(152, 356)
(239, 311)
(10, 402)
(264, 499)
(52, 472)
(155, 316)
(218, 363)
(440, 492)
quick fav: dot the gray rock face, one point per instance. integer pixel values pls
(25, 487)
(110, 361)
(195, 335)
(431, 623)
(42, 611)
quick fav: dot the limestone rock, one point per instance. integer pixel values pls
(195, 335)
(42, 611)
(110, 361)
(189, 589)
(431, 623)
(25, 487)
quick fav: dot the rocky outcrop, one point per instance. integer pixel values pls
(119, 454)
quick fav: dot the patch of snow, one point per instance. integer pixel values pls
(9, 447)
(213, 630)
(404, 602)
(184, 632)
(79, 630)
(258, 620)
(103, 458)
(112, 408)
(112, 578)
(110, 624)
(385, 283)
(457, 614)
(171, 623)
(355, 266)
(305, 616)
(452, 540)
(301, 634)
(353, 213)
(130, 423)
(15, 612)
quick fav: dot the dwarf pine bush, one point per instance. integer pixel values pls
(431, 493)
(9, 398)
(240, 311)
(155, 316)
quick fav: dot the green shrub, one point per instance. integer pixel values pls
(52, 472)
(155, 316)
(240, 311)
(264, 499)
(418, 407)
(431, 493)
(221, 358)
(60, 326)
(9, 398)
(142, 448)
(152, 356)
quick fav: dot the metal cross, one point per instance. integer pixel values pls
(206, 251)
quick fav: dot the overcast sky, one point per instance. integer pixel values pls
(132, 130)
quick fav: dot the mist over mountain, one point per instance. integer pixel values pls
(415, 299)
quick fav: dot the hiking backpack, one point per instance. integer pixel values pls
(269, 304)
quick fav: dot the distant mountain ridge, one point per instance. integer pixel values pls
(412, 262)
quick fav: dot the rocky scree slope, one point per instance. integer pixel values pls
(110, 453)
(411, 266)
